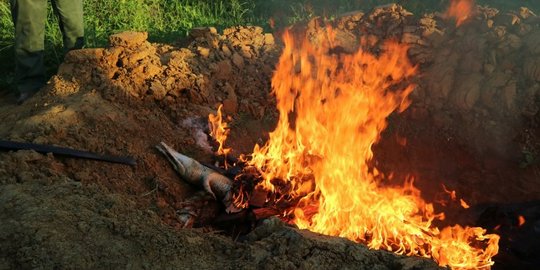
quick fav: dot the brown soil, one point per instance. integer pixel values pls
(474, 113)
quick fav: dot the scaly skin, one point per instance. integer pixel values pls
(197, 174)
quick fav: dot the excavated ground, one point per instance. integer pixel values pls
(473, 126)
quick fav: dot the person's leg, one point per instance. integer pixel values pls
(70, 15)
(29, 18)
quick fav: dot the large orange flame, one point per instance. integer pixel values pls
(332, 109)
(460, 10)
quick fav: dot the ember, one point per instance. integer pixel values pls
(315, 165)
(521, 220)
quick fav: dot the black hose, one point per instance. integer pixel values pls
(63, 151)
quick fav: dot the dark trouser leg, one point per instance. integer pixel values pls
(29, 18)
(70, 15)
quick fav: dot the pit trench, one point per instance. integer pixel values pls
(472, 126)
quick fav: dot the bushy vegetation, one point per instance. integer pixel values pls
(170, 20)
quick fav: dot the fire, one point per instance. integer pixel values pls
(460, 10)
(453, 196)
(332, 109)
(464, 204)
(521, 220)
(219, 130)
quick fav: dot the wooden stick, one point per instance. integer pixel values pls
(262, 213)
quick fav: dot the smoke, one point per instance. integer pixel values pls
(198, 127)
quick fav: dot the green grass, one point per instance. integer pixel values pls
(165, 20)
(6, 46)
(170, 20)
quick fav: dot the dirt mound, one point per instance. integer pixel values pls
(478, 81)
(125, 99)
(81, 227)
(52, 221)
(200, 74)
